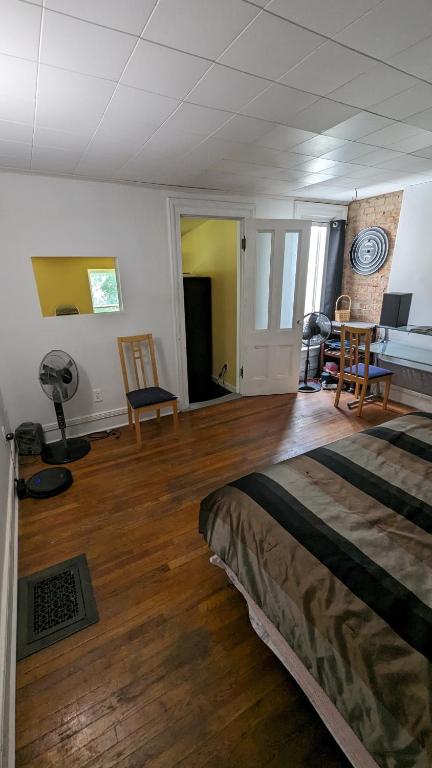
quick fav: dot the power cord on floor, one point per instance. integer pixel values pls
(103, 435)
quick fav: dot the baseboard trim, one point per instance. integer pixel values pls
(8, 617)
(414, 399)
(229, 387)
(101, 420)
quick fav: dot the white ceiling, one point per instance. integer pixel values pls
(311, 98)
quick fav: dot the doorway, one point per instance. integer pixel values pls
(210, 252)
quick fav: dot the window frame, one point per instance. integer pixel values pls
(115, 307)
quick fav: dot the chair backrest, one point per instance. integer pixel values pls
(356, 337)
(137, 356)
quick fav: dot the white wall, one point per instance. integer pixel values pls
(47, 216)
(411, 269)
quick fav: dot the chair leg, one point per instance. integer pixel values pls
(357, 390)
(338, 392)
(386, 393)
(175, 416)
(157, 414)
(362, 398)
(130, 417)
(138, 429)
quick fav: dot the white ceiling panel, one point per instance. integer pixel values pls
(225, 88)
(422, 119)
(162, 70)
(409, 163)
(54, 160)
(198, 120)
(169, 142)
(316, 165)
(17, 89)
(389, 28)
(425, 152)
(20, 29)
(281, 137)
(389, 135)
(319, 145)
(20, 132)
(83, 47)
(269, 47)
(125, 15)
(65, 140)
(322, 115)
(358, 126)
(416, 59)
(406, 103)
(244, 129)
(350, 151)
(69, 101)
(414, 143)
(377, 84)
(377, 157)
(102, 154)
(279, 103)
(199, 26)
(253, 153)
(328, 18)
(327, 68)
(11, 150)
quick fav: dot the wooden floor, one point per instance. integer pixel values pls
(172, 675)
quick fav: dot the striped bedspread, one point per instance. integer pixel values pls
(335, 546)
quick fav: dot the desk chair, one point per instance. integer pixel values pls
(135, 352)
(360, 373)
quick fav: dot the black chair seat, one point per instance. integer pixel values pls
(139, 398)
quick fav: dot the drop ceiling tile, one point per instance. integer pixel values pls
(350, 151)
(416, 59)
(17, 89)
(389, 135)
(422, 119)
(279, 103)
(20, 29)
(269, 47)
(54, 160)
(198, 120)
(127, 15)
(327, 18)
(389, 28)
(20, 132)
(281, 137)
(319, 145)
(14, 150)
(169, 142)
(65, 140)
(327, 68)
(409, 163)
(69, 101)
(102, 154)
(244, 129)
(225, 88)
(359, 125)
(316, 165)
(199, 26)
(161, 70)
(406, 103)
(322, 115)
(414, 143)
(377, 84)
(377, 157)
(425, 152)
(83, 47)
(253, 153)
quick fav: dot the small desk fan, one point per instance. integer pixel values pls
(58, 376)
(316, 329)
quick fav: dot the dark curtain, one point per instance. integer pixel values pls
(332, 287)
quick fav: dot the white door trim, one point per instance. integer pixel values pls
(222, 209)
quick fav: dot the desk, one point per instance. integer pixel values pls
(412, 348)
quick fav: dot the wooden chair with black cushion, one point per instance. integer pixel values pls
(361, 374)
(137, 354)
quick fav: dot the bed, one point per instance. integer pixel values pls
(333, 552)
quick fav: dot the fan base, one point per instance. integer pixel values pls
(311, 386)
(56, 453)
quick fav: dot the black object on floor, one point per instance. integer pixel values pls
(47, 482)
(53, 604)
(210, 391)
(65, 451)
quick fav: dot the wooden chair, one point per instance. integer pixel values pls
(362, 374)
(143, 397)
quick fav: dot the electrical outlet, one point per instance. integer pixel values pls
(97, 395)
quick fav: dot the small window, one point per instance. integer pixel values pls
(314, 284)
(264, 252)
(104, 290)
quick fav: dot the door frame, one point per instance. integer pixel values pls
(211, 209)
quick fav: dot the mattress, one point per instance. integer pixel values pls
(335, 548)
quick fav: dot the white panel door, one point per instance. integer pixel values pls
(274, 286)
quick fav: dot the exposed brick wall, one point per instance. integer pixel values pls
(367, 292)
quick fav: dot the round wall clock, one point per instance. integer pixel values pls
(369, 250)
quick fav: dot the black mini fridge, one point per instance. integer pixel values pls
(198, 321)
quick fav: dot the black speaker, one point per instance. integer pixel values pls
(29, 438)
(395, 309)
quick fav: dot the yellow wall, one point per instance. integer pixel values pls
(209, 249)
(64, 280)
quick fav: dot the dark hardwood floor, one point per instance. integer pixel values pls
(173, 674)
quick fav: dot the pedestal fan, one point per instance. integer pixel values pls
(316, 329)
(58, 376)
